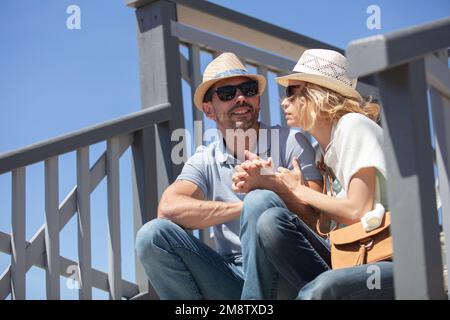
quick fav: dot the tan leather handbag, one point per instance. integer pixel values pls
(352, 245)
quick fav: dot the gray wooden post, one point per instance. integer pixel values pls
(52, 260)
(160, 75)
(84, 224)
(412, 199)
(114, 248)
(281, 96)
(264, 99)
(18, 241)
(440, 104)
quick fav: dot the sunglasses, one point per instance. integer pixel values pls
(227, 93)
(290, 90)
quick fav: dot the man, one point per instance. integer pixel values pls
(178, 264)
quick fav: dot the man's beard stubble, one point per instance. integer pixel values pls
(245, 124)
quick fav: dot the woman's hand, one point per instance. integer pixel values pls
(291, 179)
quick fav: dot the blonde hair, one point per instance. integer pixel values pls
(318, 102)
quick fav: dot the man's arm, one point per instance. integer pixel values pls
(182, 202)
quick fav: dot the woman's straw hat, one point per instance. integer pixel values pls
(326, 68)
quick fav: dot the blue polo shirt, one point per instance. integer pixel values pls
(211, 169)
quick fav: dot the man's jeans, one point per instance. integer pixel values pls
(180, 266)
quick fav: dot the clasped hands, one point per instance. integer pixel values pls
(256, 173)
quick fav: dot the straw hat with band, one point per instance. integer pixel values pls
(326, 68)
(227, 65)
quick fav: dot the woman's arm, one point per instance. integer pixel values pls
(359, 200)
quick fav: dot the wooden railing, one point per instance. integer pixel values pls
(43, 249)
(163, 27)
(411, 71)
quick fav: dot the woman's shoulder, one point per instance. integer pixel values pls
(353, 123)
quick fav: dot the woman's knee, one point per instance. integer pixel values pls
(351, 283)
(272, 227)
(322, 288)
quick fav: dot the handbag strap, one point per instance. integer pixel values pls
(328, 178)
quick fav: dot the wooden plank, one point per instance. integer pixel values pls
(5, 283)
(85, 137)
(196, 79)
(52, 228)
(264, 100)
(114, 252)
(18, 244)
(144, 184)
(411, 188)
(184, 64)
(5, 242)
(438, 74)
(233, 24)
(281, 96)
(84, 223)
(213, 42)
(381, 52)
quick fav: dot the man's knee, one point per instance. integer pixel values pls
(257, 201)
(154, 234)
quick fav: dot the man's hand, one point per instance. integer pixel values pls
(251, 174)
(292, 179)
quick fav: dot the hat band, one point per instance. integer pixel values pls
(231, 72)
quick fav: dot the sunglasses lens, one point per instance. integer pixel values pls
(290, 91)
(226, 93)
(249, 89)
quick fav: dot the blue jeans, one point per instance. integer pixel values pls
(278, 243)
(287, 246)
(180, 266)
(366, 282)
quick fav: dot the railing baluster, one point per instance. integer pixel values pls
(196, 79)
(52, 228)
(84, 224)
(18, 244)
(115, 273)
(281, 96)
(264, 102)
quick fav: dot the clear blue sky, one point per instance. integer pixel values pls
(54, 80)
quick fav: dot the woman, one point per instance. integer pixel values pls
(323, 101)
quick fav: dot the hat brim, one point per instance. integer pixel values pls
(204, 87)
(329, 83)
